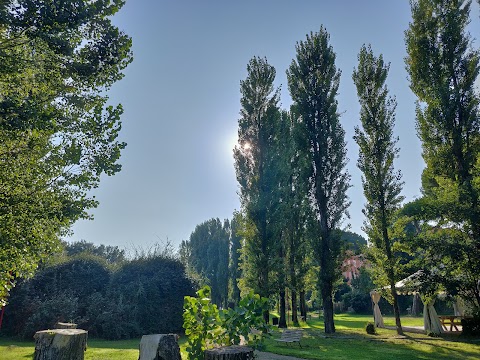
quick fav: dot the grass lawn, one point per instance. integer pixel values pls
(349, 342)
(352, 342)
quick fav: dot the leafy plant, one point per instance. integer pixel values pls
(206, 326)
(201, 321)
(245, 320)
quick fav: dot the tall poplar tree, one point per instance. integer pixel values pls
(443, 68)
(256, 164)
(377, 151)
(313, 81)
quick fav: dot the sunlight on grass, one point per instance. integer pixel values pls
(349, 342)
(352, 342)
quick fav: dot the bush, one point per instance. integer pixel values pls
(143, 296)
(57, 293)
(471, 326)
(370, 329)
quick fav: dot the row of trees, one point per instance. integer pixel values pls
(290, 165)
(57, 133)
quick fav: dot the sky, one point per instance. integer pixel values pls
(181, 97)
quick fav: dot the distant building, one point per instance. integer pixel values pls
(351, 267)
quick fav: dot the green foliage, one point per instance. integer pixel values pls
(112, 254)
(57, 133)
(141, 296)
(201, 321)
(354, 242)
(443, 67)
(62, 292)
(206, 254)
(313, 81)
(370, 329)
(257, 165)
(471, 326)
(206, 326)
(243, 318)
(381, 184)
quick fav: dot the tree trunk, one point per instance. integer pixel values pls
(282, 323)
(230, 353)
(303, 306)
(328, 309)
(396, 310)
(294, 308)
(416, 305)
(159, 347)
(60, 344)
(266, 316)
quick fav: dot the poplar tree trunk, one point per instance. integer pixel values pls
(282, 323)
(60, 344)
(294, 308)
(328, 309)
(303, 306)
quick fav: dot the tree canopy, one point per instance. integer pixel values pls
(58, 133)
(443, 67)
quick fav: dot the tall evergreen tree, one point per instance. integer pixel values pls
(256, 164)
(381, 183)
(313, 81)
(443, 68)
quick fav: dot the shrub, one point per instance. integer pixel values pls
(471, 326)
(143, 296)
(370, 329)
(56, 293)
(206, 326)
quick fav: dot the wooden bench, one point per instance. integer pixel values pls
(290, 336)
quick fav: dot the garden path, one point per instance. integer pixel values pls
(270, 356)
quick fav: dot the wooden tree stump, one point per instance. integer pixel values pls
(61, 325)
(234, 352)
(60, 344)
(159, 347)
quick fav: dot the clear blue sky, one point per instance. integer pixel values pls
(182, 100)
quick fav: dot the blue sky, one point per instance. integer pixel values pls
(182, 101)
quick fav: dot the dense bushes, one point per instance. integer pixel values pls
(141, 296)
(471, 326)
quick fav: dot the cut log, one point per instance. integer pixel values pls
(233, 352)
(60, 344)
(61, 325)
(159, 347)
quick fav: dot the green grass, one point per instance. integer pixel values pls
(352, 342)
(97, 349)
(349, 342)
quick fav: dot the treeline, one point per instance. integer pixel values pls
(102, 291)
(215, 256)
(291, 169)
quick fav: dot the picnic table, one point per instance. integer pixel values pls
(452, 320)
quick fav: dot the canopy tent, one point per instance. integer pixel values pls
(377, 315)
(408, 286)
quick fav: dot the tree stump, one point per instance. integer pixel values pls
(159, 347)
(234, 352)
(61, 325)
(60, 344)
